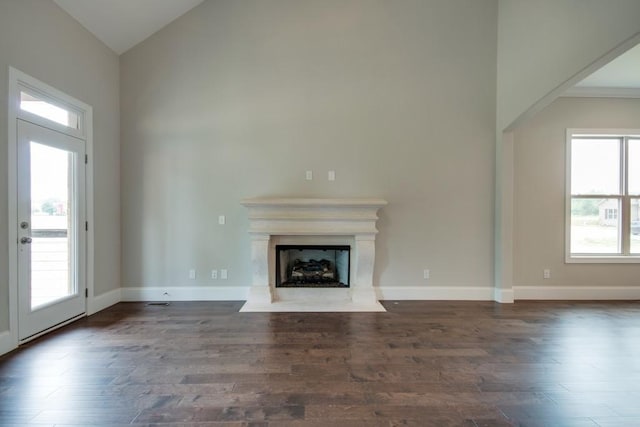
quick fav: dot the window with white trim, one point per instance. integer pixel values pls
(603, 196)
(39, 105)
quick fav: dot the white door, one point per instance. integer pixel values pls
(51, 228)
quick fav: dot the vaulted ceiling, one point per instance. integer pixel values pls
(121, 24)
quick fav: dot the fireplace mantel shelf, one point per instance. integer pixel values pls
(303, 216)
(274, 217)
(306, 202)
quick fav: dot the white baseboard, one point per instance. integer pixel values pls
(576, 292)
(102, 301)
(504, 296)
(204, 293)
(7, 342)
(239, 293)
(454, 293)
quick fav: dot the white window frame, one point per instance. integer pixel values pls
(26, 84)
(623, 213)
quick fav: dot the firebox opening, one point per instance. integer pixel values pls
(312, 266)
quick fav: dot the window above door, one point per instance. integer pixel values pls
(46, 106)
(48, 110)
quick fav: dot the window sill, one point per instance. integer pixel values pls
(602, 259)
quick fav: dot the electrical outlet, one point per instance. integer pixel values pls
(192, 274)
(309, 175)
(331, 176)
(214, 274)
(546, 273)
(222, 220)
(426, 273)
(223, 274)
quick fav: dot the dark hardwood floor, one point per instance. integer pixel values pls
(420, 364)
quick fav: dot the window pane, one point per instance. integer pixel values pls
(42, 108)
(595, 226)
(634, 216)
(634, 166)
(595, 166)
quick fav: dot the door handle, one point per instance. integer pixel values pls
(25, 240)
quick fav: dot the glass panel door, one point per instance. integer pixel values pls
(51, 238)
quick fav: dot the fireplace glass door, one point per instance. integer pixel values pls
(312, 266)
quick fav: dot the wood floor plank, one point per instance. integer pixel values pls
(423, 363)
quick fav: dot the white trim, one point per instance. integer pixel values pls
(599, 259)
(503, 296)
(55, 97)
(604, 132)
(19, 79)
(180, 293)
(601, 92)
(89, 209)
(240, 293)
(599, 293)
(619, 258)
(12, 203)
(503, 216)
(102, 301)
(567, 193)
(442, 293)
(7, 342)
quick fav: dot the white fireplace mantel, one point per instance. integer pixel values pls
(271, 218)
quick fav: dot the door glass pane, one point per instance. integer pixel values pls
(31, 103)
(51, 219)
(595, 226)
(595, 166)
(634, 166)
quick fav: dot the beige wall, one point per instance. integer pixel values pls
(41, 40)
(238, 98)
(539, 201)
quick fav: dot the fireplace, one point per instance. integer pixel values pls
(312, 266)
(340, 223)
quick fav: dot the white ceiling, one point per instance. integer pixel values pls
(122, 24)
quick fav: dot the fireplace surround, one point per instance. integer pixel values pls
(304, 221)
